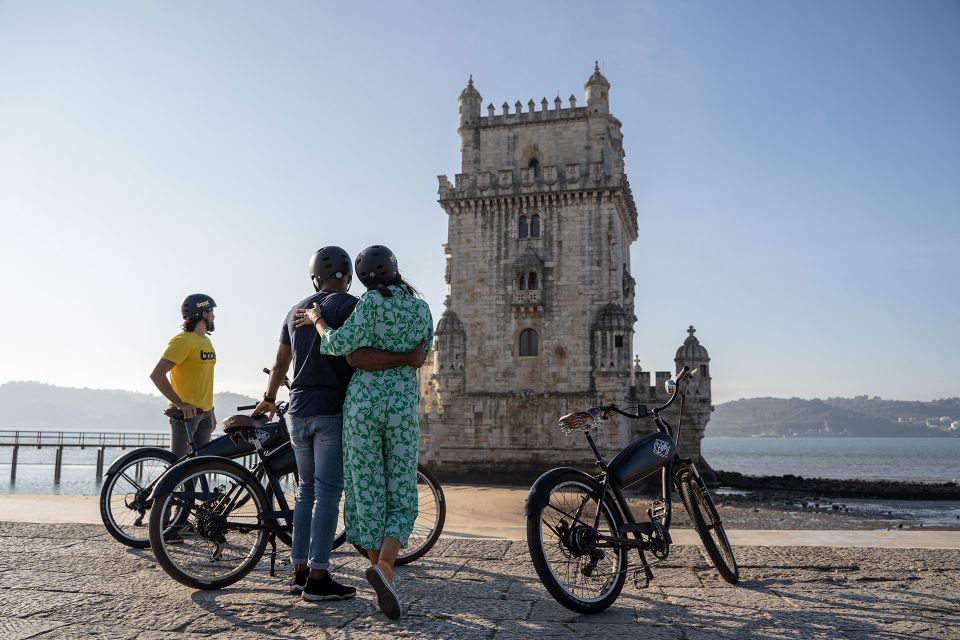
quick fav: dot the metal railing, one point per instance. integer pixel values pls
(61, 440)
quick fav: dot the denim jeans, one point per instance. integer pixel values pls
(317, 445)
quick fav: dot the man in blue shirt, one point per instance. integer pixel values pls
(317, 392)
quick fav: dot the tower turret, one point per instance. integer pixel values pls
(598, 91)
(469, 102)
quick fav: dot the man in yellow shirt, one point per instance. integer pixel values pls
(189, 359)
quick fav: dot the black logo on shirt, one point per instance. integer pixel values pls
(208, 355)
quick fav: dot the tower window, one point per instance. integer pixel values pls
(535, 226)
(532, 282)
(522, 284)
(618, 341)
(535, 165)
(522, 227)
(528, 342)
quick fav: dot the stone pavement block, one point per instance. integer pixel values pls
(425, 568)
(476, 549)
(138, 613)
(460, 627)
(443, 605)
(585, 629)
(14, 603)
(85, 632)
(552, 611)
(23, 628)
(539, 629)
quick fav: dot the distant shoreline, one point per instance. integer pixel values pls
(850, 488)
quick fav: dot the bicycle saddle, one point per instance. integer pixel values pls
(239, 424)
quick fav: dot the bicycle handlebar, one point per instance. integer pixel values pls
(684, 375)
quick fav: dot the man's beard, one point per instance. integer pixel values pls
(209, 326)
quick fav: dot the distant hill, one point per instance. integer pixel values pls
(859, 416)
(37, 406)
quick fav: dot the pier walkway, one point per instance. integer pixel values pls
(73, 581)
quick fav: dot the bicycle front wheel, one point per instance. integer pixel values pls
(581, 571)
(124, 498)
(222, 537)
(707, 524)
(431, 514)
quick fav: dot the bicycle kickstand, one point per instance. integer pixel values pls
(273, 555)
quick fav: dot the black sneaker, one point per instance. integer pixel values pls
(298, 581)
(387, 598)
(326, 588)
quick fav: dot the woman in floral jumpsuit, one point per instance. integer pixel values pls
(381, 430)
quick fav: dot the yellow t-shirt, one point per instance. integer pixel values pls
(192, 375)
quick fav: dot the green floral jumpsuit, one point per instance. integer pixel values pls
(381, 428)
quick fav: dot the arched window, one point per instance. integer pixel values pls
(522, 226)
(532, 281)
(535, 165)
(528, 342)
(522, 282)
(535, 226)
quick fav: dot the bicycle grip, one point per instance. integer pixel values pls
(247, 407)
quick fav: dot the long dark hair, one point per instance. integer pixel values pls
(189, 324)
(399, 281)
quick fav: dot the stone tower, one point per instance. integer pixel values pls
(539, 316)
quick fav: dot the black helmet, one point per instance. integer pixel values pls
(195, 304)
(329, 262)
(376, 265)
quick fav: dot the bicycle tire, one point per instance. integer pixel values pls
(546, 553)
(428, 525)
(171, 557)
(707, 524)
(116, 514)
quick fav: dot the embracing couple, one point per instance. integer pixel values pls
(353, 416)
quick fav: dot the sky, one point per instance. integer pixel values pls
(795, 165)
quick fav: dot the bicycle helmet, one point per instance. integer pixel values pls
(195, 304)
(329, 262)
(376, 265)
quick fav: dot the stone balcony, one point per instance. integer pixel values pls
(528, 297)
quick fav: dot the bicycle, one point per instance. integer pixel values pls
(125, 495)
(580, 526)
(231, 513)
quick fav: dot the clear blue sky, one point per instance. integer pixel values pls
(796, 166)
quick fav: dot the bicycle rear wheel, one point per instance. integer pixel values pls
(222, 538)
(431, 514)
(581, 572)
(707, 524)
(124, 503)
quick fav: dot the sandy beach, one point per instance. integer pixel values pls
(497, 513)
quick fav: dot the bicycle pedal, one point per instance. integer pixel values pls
(641, 579)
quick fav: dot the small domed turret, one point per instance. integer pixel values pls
(598, 89)
(691, 353)
(470, 102)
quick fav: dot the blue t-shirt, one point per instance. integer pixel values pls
(319, 382)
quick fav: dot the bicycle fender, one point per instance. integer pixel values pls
(171, 478)
(123, 459)
(539, 494)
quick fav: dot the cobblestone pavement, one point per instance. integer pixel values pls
(74, 581)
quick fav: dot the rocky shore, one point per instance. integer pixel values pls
(882, 489)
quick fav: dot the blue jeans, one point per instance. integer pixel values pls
(317, 446)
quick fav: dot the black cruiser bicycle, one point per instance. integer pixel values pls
(580, 527)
